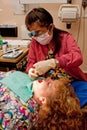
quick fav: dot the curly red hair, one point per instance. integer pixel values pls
(62, 111)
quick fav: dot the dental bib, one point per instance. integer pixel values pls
(20, 84)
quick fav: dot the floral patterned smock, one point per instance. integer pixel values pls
(14, 113)
(57, 72)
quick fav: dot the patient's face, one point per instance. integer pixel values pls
(42, 88)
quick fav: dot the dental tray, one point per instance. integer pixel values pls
(13, 55)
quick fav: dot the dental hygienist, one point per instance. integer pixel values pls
(54, 52)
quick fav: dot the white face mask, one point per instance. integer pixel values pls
(44, 39)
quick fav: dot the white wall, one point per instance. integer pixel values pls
(7, 16)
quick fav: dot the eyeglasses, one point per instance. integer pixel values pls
(34, 33)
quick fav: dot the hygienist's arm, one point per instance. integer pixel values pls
(70, 53)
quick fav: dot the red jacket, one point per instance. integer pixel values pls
(69, 56)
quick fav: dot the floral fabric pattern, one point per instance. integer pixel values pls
(15, 114)
(57, 72)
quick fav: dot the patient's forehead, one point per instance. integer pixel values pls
(59, 84)
(54, 87)
(55, 83)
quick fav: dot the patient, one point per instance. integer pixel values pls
(60, 109)
(53, 106)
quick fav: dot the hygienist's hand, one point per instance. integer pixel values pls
(32, 73)
(43, 66)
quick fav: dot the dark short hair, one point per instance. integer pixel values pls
(38, 14)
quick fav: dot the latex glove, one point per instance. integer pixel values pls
(43, 66)
(32, 73)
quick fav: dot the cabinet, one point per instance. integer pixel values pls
(8, 31)
(41, 1)
(18, 63)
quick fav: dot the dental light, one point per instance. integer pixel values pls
(69, 13)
